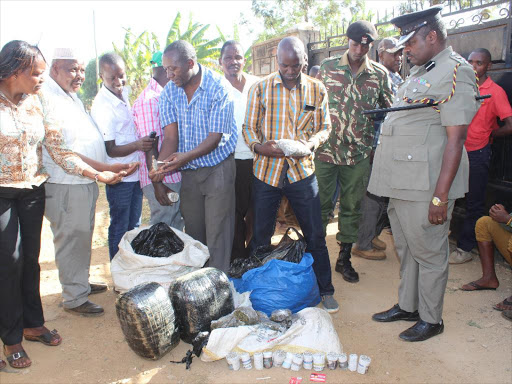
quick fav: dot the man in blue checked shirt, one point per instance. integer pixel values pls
(200, 136)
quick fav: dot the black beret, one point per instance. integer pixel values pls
(411, 22)
(362, 32)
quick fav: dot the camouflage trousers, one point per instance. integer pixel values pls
(353, 181)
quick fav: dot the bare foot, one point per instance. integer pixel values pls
(2, 364)
(481, 284)
(16, 360)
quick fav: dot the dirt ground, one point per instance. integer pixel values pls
(476, 346)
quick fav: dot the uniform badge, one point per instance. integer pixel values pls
(421, 81)
(364, 40)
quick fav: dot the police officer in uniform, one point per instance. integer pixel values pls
(422, 166)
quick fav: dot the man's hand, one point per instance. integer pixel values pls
(111, 178)
(174, 162)
(127, 168)
(269, 149)
(437, 215)
(161, 192)
(144, 144)
(499, 214)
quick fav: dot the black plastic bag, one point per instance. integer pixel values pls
(199, 298)
(288, 249)
(148, 321)
(157, 241)
(199, 342)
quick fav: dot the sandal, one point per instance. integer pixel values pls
(47, 338)
(505, 305)
(13, 357)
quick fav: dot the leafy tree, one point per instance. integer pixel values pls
(89, 88)
(279, 16)
(136, 53)
(208, 51)
(137, 50)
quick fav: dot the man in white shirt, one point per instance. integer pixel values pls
(112, 113)
(232, 61)
(70, 199)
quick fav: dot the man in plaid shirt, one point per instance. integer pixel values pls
(147, 119)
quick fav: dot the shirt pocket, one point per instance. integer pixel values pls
(410, 169)
(416, 91)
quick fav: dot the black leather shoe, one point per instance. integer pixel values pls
(97, 288)
(344, 265)
(422, 331)
(395, 314)
(87, 309)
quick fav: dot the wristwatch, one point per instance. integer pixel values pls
(438, 203)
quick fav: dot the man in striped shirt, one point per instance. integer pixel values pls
(289, 105)
(196, 111)
(147, 120)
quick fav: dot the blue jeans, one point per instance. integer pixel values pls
(125, 202)
(305, 201)
(475, 198)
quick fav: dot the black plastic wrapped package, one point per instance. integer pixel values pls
(159, 240)
(199, 298)
(148, 320)
(287, 249)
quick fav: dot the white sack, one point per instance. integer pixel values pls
(293, 147)
(129, 269)
(313, 331)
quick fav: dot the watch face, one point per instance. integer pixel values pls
(436, 201)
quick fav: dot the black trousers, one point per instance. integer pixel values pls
(243, 208)
(21, 220)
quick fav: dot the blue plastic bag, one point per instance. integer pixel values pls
(281, 285)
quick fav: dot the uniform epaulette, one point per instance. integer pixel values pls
(332, 58)
(458, 58)
(380, 67)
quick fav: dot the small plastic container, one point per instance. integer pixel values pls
(342, 361)
(278, 357)
(298, 358)
(233, 360)
(318, 362)
(258, 360)
(308, 360)
(364, 364)
(287, 363)
(332, 360)
(267, 359)
(246, 360)
(352, 362)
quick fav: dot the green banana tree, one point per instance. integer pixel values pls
(207, 51)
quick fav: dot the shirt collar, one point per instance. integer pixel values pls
(487, 83)
(203, 72)
(154, 86)
(278, 80)
(365, 66)
(55, 88)
(113, 99)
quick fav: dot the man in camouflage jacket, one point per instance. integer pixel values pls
(354, 83)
